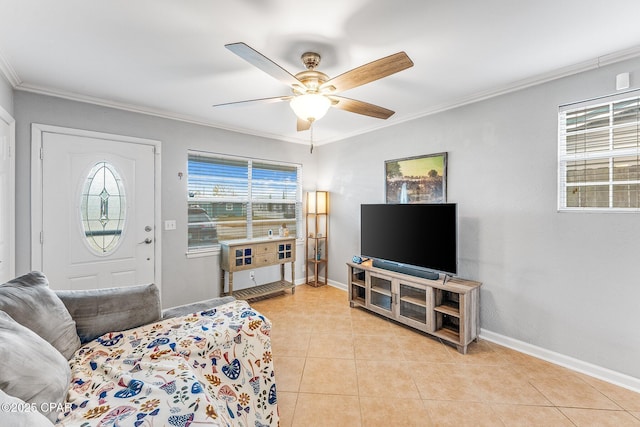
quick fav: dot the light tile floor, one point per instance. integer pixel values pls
(340, 366)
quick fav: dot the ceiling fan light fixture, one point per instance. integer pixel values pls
(314, 91)
(311, 106)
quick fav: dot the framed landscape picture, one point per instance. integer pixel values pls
(421, 179)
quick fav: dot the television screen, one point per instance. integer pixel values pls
(418, 235)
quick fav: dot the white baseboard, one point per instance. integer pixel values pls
(333, 283)
(577, 365)
(338, 285)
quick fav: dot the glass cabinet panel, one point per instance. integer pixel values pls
(380, 284)
(413, 303)
(381, 292)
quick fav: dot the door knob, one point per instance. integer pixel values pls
(147, 241)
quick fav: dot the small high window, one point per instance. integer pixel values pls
(599, 155)
(102, 208)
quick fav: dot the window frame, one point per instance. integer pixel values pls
(606, 156)
(250, 199)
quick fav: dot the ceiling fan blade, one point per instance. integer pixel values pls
(260, 61)
(361, 107)
(303, 125)
(369, 72)
(255, 101)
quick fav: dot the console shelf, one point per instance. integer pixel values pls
(451, 311)
(250, 254)
(415, 301)
(447, 310)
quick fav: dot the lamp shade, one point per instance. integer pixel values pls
(310, 107)
(317, 202)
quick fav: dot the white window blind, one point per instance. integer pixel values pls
(599, 155)
(240, 198)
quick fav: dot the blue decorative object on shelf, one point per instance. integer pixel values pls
(358, 259)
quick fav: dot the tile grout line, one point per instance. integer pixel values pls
(499, 356)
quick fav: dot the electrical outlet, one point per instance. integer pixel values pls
(252, 275)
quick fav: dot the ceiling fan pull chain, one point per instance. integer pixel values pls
(311, 136)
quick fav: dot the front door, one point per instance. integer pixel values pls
(98, 210)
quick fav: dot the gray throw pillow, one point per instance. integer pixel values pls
(98, 311)
(30, 302)
(31, 369)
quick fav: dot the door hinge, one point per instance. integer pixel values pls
(41, 237)
(41, 153)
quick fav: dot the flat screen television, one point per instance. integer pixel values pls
(418, 236)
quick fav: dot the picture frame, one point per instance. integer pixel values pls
(420, 179)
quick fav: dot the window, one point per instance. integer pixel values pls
(235, 198)
(102, 208)
(599, 155)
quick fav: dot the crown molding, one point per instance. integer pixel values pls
(8, 72)
(570, 70)
(601, 61)
(539, 79)
(621, 55)
(72, 96)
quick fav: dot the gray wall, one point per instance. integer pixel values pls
(6, 95)
(183, 279)
(566, 282)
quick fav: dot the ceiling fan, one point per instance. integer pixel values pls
(314, 92)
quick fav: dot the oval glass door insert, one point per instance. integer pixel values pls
(102, 208)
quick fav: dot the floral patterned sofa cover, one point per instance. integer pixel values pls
(208, 366)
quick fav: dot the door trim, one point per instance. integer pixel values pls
(11, 212)
(37, 131)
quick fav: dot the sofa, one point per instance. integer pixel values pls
(114, 357)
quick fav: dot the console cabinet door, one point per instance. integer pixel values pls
(286, 251)
(414, 305)
(243, 257)
(380, 294)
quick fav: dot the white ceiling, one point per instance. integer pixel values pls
(167, 57)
